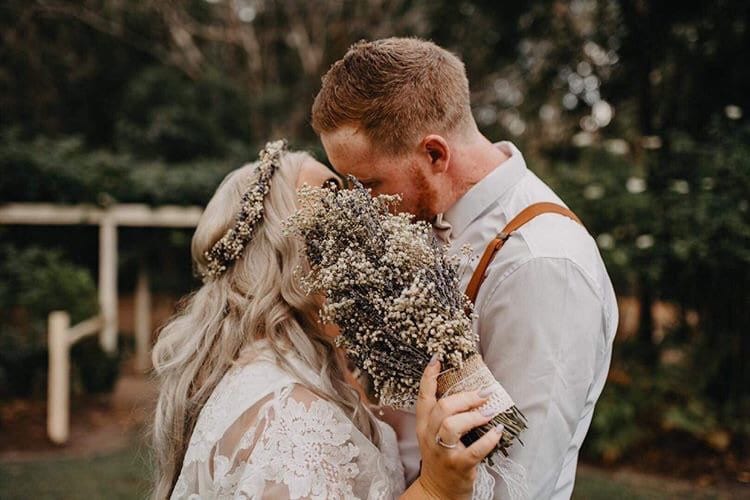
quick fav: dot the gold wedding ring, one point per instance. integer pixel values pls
(443, 443)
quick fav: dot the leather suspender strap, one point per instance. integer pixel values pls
(496, 244)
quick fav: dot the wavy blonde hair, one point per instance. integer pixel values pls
(258, 297)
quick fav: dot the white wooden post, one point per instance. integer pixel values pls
(108, 282)
(58, 377)
(142, 322)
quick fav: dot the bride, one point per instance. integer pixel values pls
(254, 400)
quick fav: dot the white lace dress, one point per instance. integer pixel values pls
(263, 435)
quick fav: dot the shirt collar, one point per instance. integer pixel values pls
(476, 200)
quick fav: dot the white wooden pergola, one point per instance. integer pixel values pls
(61, 335)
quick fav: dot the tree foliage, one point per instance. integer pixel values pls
(634, 111)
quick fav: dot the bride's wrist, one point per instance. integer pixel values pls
(421, 489)
(430, 491)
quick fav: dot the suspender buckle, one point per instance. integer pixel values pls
(503, 236)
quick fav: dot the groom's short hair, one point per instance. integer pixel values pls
(394, 89)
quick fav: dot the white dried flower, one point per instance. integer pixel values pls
(231, 245)
(389, 285)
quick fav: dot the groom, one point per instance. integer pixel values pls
(395, 113)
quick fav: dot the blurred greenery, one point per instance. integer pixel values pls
(97, 370)
(635, 112)
(35, 281)
(67, 171)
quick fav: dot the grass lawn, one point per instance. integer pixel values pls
(593, 483)
(125, 475)
(122, 475)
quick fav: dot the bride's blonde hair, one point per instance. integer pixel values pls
(258, 297)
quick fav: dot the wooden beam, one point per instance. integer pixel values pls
(84, 328)
(108, 283)
(142, 322)
(164, 216)
(133, 215)
(108, 219)
(58, 377)
(49, 214)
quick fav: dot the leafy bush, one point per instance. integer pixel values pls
(640, 405)
(65, 171)
(33, 282)
(96, 369)
(695, 209)
(166, 115)
(708, 267)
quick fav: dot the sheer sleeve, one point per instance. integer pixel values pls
(293, 446)
(263, 435)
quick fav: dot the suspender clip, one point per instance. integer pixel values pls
(503, 236)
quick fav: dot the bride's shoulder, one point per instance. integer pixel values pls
(279, 391)
(249, 378)
(260, 369)
(286, 402)
(236, 400)
(242, 387)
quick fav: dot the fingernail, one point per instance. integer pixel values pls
(433, 360)
(500, 428)
(486, 392)
(487, 412)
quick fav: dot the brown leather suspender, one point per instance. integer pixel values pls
(496, 244)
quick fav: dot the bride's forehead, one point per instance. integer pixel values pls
(314, 167)
(313, 173)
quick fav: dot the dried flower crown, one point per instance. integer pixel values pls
(231, 245)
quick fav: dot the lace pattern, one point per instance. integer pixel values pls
(308, 450)
(263, 435)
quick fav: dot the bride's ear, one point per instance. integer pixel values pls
(436, 148)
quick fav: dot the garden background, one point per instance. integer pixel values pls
(634, 111)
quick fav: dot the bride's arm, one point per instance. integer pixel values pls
(301, 447)
(448, 472)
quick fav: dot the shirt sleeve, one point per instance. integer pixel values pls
(541, 332)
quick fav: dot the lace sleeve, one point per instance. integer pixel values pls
(294, 446)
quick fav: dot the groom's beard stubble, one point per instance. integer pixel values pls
(424, 198)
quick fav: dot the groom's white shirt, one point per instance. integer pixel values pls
(547, 319)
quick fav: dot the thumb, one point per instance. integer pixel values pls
(428, 387)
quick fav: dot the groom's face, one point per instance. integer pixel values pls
(408, 174)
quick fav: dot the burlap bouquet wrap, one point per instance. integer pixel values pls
(474, 375)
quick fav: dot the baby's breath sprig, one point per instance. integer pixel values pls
(231, 245)
(394, 292)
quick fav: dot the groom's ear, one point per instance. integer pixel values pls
(438, 152)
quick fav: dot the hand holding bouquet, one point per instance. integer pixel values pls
(394, 293)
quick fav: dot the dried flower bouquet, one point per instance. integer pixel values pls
(394, 293)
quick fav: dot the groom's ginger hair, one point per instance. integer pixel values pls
(394, 90)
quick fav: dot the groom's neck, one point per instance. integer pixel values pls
(473, 158)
